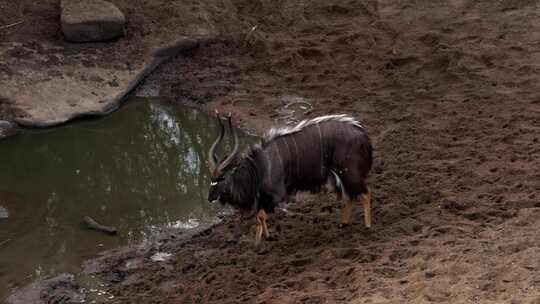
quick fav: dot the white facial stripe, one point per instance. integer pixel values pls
(213, 183)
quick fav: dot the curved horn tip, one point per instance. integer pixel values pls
(213, 161)
(234, 153)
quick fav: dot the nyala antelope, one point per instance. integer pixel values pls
(334, 148)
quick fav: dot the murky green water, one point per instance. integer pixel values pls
(142, 166)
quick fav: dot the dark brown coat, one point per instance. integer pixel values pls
(335, 148)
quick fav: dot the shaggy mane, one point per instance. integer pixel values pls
(277, 132)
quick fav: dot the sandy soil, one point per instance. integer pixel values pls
(449, 93)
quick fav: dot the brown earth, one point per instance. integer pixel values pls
(449, 91)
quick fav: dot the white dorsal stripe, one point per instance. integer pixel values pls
(275, 132)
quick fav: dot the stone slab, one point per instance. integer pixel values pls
(49, 84)
(91, 20)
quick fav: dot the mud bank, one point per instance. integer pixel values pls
(449, 93)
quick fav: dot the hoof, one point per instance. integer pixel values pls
(344, 226)
(272, 238)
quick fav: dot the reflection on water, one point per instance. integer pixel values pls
(143, 166)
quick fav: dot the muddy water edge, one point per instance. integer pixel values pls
(140, 169)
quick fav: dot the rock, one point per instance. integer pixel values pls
(5, 124)
(60, 289)
(160, 256)
(6, 129)
(454, 206)
(91, 20)
(4, 213)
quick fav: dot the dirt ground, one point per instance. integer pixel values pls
(449, 91)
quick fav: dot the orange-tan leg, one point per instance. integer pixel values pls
(258, 231)
(264, 216)
(366, 201)
(261, 227)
